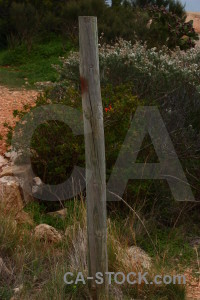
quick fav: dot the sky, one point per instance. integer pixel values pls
(192, 5)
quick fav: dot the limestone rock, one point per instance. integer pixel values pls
(18, 289)
(37, 183)
(3, 161)
(24, 182)
(47, 233)
(10, 195)
(6, 171)
(134, 258)
(12, 155)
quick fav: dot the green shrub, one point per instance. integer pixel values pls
(174, 6)
(129, 74)
(57, 150)
(170, 29)
(24, 21)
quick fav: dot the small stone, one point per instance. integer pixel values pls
(3, 161)
(24, 182)
(18, 289)
(10, 196)
(47, 233)
(134, 258)
(37, 183)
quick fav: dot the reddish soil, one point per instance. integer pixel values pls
(196, 20)
(11, 100)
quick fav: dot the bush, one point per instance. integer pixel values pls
(56, 150)
(126, 62)
(170, 29)
(131, 75)
(174, 6)
(23, 21)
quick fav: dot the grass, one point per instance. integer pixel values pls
(39, 267)
(168, 292)
(18, 66)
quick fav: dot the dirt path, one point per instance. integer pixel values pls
(9, 101)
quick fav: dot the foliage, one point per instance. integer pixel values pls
(129, 74)
(170, 29)
(169, 79)
(126, 62)
(56, 150)
(34, 65)
(38, 267)
(174, 6)
(26, 21)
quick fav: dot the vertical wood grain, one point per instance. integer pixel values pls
(95, 153)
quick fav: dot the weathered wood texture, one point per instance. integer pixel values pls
(95, 152)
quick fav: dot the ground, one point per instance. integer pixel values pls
(15, 96)
(11, 100)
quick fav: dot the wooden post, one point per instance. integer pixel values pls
(95, 153)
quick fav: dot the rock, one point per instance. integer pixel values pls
(3, 161)
(134, 258)
(12, 155)
(7, 154)
(4, 271)
(18, 289)
(11, 200)
(24, 182)
(24, 218)
(10, 195)
(59, 213)
(47, 233)
(14, 170)
(6, 171)
(44, 84)
(37, 183)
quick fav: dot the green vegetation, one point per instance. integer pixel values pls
(140, 64)
(18, 65)
(39, 267)
(23, 21)
(131, 75)
(33, 34)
